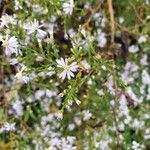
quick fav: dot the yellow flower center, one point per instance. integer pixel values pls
(67, 68)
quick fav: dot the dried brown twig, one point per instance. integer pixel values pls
(93, 11)
(112, 20)
(112, 25)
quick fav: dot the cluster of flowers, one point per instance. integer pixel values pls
(54, 67)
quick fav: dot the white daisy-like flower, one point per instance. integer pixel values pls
(59, 115)
(35, 27)
(142, 39)
(11, 45)
(101, 39)
(13, 61)
(6, 19)
(19, 76)
(8, 127)
(133, 49)
(67, 69)
(68, 7)
(18, 107)
(86, 115)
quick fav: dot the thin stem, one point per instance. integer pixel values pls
(112, 25)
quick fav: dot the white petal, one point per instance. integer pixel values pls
(41, 32)
(63, 75)
(41, 25)
(31, 31)
(64, 62)
(73, 64)
(74, 68)
(71, 74)
(60, 63)
(68, 75)
(7, 51)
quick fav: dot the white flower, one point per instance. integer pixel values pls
(39, 58)
(6, 19)
(101, 38)
(20, 77)
(142, 39)
(123, 106)
(147, 2)
(85, 64)
(39, 94)
(133, 49)
(24, 79)
(86, 115)
(121, 20)
(103, 145)
(145, 77)
(135, 145)
(37, 8)
(18, 107)
(10, 45)
(50, 148)
(68, 69)
(132, 96)
(55, 141)
(50, 71)
(13, 61)
(147, 134)
(137, 124)
(8, 127)
(109, 85)
(35, 27)
(71, 126)
(143, 61)
(103, 67)
(77, 120)
(59, 115)
(68, 7)
(100, 92)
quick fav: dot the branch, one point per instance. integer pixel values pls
(2, 7)
(112, 21)
(112, 24)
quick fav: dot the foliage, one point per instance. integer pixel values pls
(74, 75)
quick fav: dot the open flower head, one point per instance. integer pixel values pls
(5, 20)
(8, 127)
(68, 70)
(20, 77)
(68, 7)
(11, 45)
(35, 27)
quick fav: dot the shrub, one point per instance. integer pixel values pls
(74, 75)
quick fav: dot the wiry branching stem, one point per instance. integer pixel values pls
(112, 25)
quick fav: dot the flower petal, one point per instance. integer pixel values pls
(63, 75)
